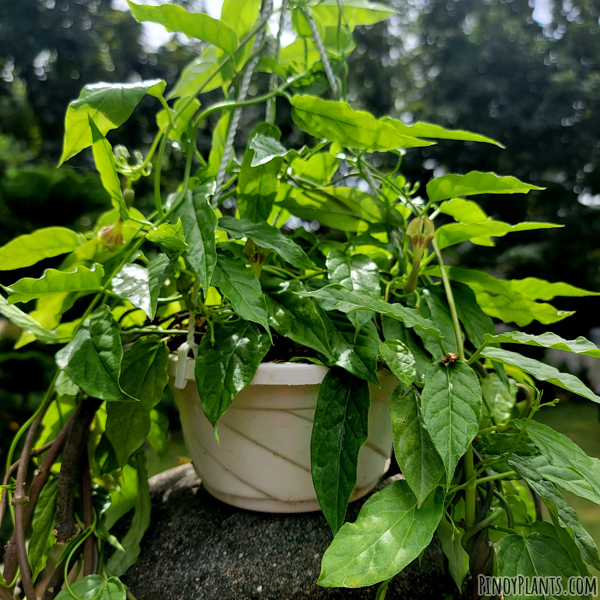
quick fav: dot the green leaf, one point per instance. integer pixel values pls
(159, 270)
(109, 105)
(354, 12)
(93, 359)
(389, 533)
(340, 428)
(452, 406)
(538, 289)
(29, 324)
(463, 211)
(475, 322)
(565, 464)
(120, 561)
(194, 25)
(265, 148)
(499, 397)
(437, 132)
(356, 272)
(144, 376)
(240, 15)
(458, 559)
(26, 250)
(455, 233)
(239, 284)
(536, 555)
(562, 514)
(132, 283)
(53, 281)
(219, 139)
(258, 183)
(107, 168)
(95, 587)
(545, 340)
(399, 360)
(225, 369)
(268, 237)
(169, 237)
(417, 457)
(475, 182)
(42, 541)
(199, 226)
(541, 371)
(440, 315)
(336, 297)
(158, 436)
(320, 167)
(338, 122)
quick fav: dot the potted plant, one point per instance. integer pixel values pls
(322, 331)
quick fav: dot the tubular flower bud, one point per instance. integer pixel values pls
(420, 232)
(112, 236)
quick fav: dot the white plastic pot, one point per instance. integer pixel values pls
(263, 460)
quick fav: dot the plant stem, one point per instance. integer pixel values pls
(471, 489)
(158, 173)
(509, 514)
(479, 526)
(90, 552)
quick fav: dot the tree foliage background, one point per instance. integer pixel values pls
(484, 65)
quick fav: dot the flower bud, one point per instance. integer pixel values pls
(112, 236)
(420, 232)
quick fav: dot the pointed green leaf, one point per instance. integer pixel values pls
(541, 371)
(42, 540)
(338, 122)
(53, 281)
(452, 407)
(199, 226)
(107, 168)
(27, 323)
(475, 182)
(399, 360)
(545, 340)
(440, 315)
(463, 211)
(354, 12)
(240, 15)
(499, 397)
(219, 138)
(475, 322)
(455, 233)
(340, 428)
(538, 289)
(26, 250)
(336, 297)
(109, 105)
(131, 283)
(417, 457)
(95, 587)
(268, 237)
(458, 559)
(225, 369)
(389, 533)
(437, 132)
(239, 284)
(536, 555)
(93, 359)
(169, 237)
(194, 25)
(159, 270)
(144, 376)
(265, 149)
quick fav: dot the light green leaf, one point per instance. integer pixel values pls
(354, 12)
(182, 121)
(456, 233)
(399, 360)
(107, 168)
(320, 167)
(340, 428)
(53, 281)
(169, 237)
(93, 359)
(42, 540)
(120, 561)
(545, 340)
(26, 250)
(268, 237)
(463, 211)
(563, 462)
(475, 182)
(158, 436)
(239, 284)
(132, 283)
(537, 555)
(240, 15)
(475, 322)
(109, 105)
(389, 533)
(458, 559)
(144, 376)
(452, 407)
(437, 132)
(336, 297)
(417, 457)
(541, 371)
(95, 587)
(395, 330)
(26, 323)
(225, 369)
(538, 289)
(356, 272)
(159, 270)
(194, 25)
(338, 122)
(440, 315)
(219, 138)
(499, 397)
(265, 148)
(199, 226)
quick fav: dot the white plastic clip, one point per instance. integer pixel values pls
(189, 344)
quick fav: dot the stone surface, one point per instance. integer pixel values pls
(198, 548)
